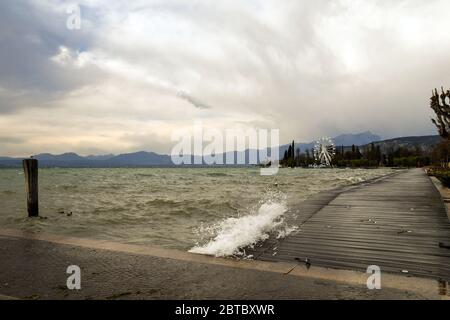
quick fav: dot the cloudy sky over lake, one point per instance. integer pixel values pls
(137, 70)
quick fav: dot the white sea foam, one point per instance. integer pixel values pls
(234, 234)
(284, 232)
(355, 179)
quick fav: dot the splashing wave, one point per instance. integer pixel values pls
(233, 235)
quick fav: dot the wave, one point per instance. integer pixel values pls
(353, 180)
(233, 235)
(217, 174)
(144, 175)
(164, 202)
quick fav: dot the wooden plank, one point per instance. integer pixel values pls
(396, 222)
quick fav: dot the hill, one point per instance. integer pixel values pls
(424, 143)
(152, 159)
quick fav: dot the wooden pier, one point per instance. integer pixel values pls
(398, 223)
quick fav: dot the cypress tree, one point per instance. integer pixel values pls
(357, 153)
(293, 148)
(293, 154)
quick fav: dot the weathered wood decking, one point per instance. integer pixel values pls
(398, 223)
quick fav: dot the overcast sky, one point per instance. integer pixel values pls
(136, 70)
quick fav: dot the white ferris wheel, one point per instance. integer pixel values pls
(324, 151)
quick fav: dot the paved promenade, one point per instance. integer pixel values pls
(34, 267)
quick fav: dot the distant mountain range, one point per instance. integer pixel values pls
(136, 159)
(151, 159)
(425, 143)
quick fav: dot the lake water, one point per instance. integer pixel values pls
(206, 210)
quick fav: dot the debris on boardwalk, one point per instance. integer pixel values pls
(397, 222)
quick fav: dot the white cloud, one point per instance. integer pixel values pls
(146, 67)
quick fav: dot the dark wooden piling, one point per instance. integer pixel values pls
(30, 166)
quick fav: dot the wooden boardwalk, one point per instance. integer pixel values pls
(397, 222)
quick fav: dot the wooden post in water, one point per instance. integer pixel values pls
(30, 166)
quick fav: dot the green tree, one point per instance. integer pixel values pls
(308, 157)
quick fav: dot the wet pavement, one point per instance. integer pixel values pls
(34, 268)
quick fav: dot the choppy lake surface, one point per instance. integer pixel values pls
(206, 210)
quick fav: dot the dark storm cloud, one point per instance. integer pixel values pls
(192, 100)
(142, 68)
(30, 34)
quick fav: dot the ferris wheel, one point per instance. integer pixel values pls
(324, 151)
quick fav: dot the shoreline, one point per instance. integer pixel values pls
(69, 194)
(39, 254)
